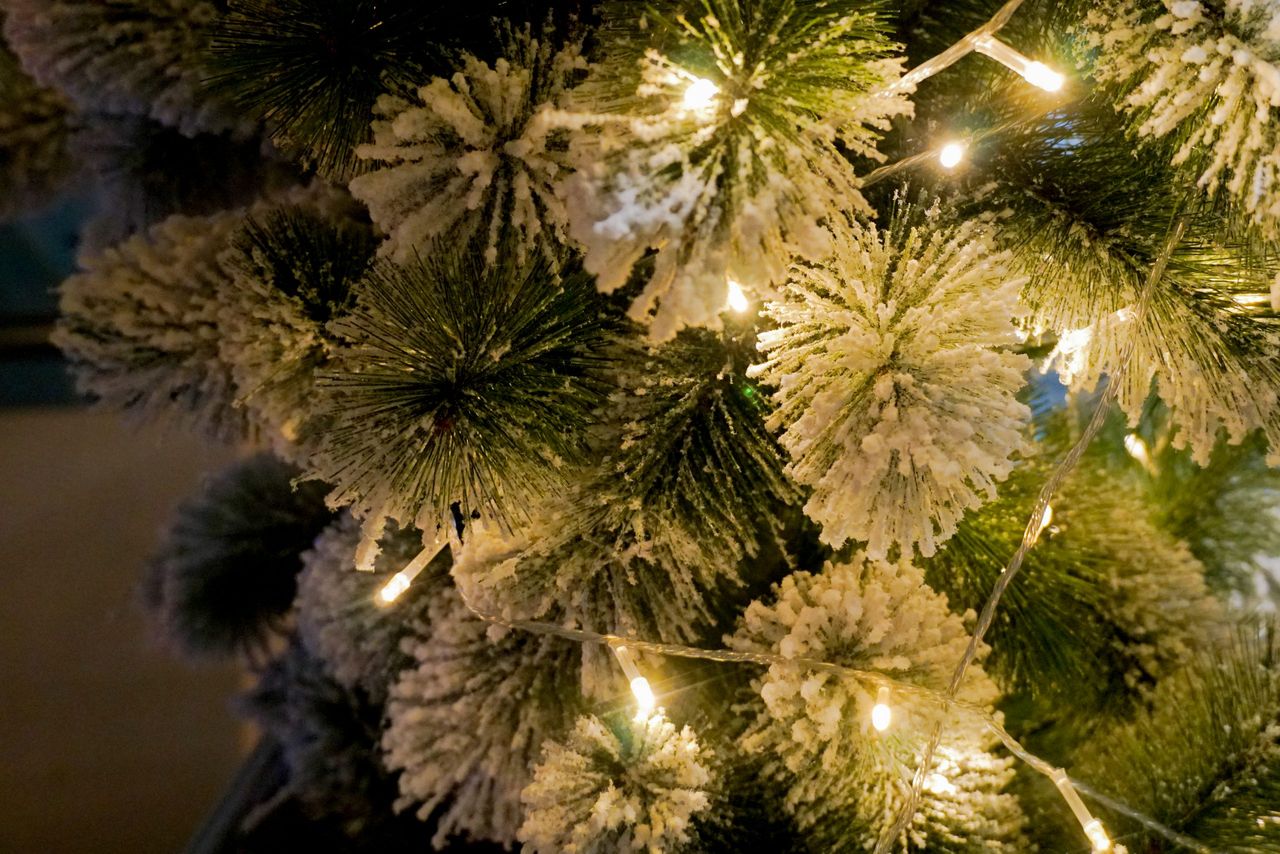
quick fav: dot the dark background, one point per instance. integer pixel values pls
(106, 743)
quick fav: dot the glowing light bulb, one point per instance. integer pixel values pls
(1039, 74)
(645, 700)
(737, 301)
(640, 687)
(1046, 519)
(950, 155)
(881, 714)
(400, 582)
(700, 95)
(1137, 448)
(1097, 835)
(1092, 828)
(1035, 73)
(391, 591)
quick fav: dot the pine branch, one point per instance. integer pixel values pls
(1203, 759)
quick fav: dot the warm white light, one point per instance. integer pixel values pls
(400, 582)
(881, 714)
(950, 155)
(700, 95)
(1097, 835)
(1137, 448)
(645, 701)
(1039, 74)
(1046, 519)
(737, 301)
(393, 588)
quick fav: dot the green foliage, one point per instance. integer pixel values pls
(313, 68)
(224, 577)
(693, 460)
(1087, 218)
(1204, 759)
(1225, 510)
(305, 255)
(147, 171)
(34, 129)
(329, 740)
(1107, 602)
(461, 384)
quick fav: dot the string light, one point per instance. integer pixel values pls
(1046, 519)
(1137, 448)
(737, 301)
(640, 687)
(1093, 828)
(400, 582)
(1035, 73)
(881, 714)
(700, 95)
(950, 155)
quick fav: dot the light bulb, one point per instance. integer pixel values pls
(1097, 835)
(950, 155)
(1137, 448)
(400, 582)
(881, 714)
(737, 301)
(393, 588)
(1046, 519)
(700, 95)
(1039, 74)
(645, 701)
(1035, 73)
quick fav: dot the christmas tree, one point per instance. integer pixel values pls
(698, 425)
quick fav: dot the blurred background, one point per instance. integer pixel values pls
(106, 743)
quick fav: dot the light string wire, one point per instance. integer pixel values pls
(951, 55)
(1031, 533)
(947, 700)
(868, 677)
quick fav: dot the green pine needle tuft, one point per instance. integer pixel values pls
(1205, 760)
(462, 384)
(313, 68)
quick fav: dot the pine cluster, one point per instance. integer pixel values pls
(565, 335)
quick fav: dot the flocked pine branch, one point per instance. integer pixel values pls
(136, 57)
(1086, 218)
(292, 270)
(35, 125)
(344, 622)
(1207, 76)
(844, 778)
(895, 379)
(721, 144)
(514, 690)
(476, 156)
(1110, 604)
(139, 325)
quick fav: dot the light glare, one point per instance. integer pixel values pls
(1137, 448)
(951, 154)
(881, 714)
(393, 588)
(700, 95)
(645, 701)
(737, 301)
(1039, 74)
